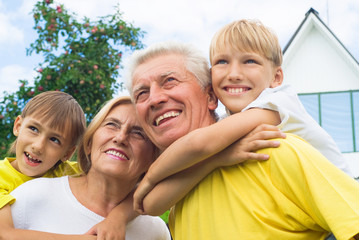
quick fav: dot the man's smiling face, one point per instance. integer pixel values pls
(169, 101)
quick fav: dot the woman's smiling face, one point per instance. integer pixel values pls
(120, 147)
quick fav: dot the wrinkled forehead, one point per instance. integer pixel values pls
(124, 111)
(157, 68)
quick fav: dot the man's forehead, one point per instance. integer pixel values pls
(144, 80)
(159, 65)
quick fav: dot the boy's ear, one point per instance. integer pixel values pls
(278, 77)
(17, 125)
(212, 98)
(68, 154)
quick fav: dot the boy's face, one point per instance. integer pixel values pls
(239, 77)
(38, 146)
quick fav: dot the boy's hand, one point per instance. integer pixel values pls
(142, 190)
(114, 226)
(244, 149)
(106, 230)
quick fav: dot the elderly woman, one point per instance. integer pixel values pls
(114, 154)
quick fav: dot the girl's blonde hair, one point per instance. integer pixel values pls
(248, 36)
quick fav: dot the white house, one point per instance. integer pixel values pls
(326, 76)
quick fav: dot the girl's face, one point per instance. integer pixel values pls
(119, 147)
(38, 146)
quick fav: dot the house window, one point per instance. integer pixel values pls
(338, 114)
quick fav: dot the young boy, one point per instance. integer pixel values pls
(47, 131)
(246, 77)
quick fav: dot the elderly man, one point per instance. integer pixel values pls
(296, 194)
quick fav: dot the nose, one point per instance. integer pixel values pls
(234, 72)
(38, 145)
(121, 137)
(157, 96)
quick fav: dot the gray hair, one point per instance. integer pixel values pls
(196, 63)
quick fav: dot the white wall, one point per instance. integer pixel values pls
(353, 160)
(318, 66)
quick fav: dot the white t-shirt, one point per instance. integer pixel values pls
(295, 119)
(46, 204)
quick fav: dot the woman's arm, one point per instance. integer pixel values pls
(8, 232)
(202, 143)
(166, 193)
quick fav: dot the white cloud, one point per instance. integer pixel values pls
(184, 20)
(197, 21)
(344, 22)
(10, 76)
(9, 32)
(90, 8)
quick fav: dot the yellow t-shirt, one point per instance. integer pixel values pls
(10, 178)
(296, 194)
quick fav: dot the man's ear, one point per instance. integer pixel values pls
(68, 154)
(277, 78)
(17, 125)
(212, 99)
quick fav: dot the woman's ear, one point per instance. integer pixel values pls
(277, 78)
(88, 148)
(17, 125)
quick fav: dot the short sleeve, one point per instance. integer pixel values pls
(5, 198)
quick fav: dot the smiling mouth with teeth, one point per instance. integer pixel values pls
(31, 159)
(236, 90)
(117, 154)
(166, 116)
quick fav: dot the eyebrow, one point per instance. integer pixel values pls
(220, 54)
(37, 124)
(163, 75)
(112, 119)
(138, 128)
(135, 127)
(139, 87)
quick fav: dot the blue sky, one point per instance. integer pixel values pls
(184, 20)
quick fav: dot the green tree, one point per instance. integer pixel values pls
(81, 58)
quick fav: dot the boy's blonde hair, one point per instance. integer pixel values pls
(60, 110)
(248, 36)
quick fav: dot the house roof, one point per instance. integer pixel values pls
(315, 60)
(313, 13)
